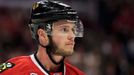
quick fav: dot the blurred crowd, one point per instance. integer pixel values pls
(107, 47)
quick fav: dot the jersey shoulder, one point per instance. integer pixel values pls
(15, 65)
(73, 70)
(20, 59)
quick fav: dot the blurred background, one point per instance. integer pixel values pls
(107, 47)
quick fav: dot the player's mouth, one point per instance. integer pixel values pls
(70, 44)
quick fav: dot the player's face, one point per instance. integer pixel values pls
(63, 37)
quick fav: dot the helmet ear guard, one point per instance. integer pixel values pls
(33, 29)
(35, 26)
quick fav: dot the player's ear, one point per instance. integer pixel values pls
(43, 38)
(41, 33)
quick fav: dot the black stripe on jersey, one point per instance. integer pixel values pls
(40, 64)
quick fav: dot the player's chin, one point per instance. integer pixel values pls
(69, 52)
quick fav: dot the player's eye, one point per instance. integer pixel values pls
(64, 29)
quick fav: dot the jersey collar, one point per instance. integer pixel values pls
(41, 67)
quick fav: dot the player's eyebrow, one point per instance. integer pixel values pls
(66, 26)
(63, 26)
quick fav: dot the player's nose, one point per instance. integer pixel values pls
(71, 36)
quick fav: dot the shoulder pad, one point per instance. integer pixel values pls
(5, 66)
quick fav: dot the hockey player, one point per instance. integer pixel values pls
(54, 25)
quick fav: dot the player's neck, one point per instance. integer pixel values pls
(45, 60)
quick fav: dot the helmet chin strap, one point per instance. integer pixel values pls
(50, 51)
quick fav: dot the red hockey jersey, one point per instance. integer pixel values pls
(30, 65)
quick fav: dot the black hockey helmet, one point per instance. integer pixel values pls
(44, 13)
